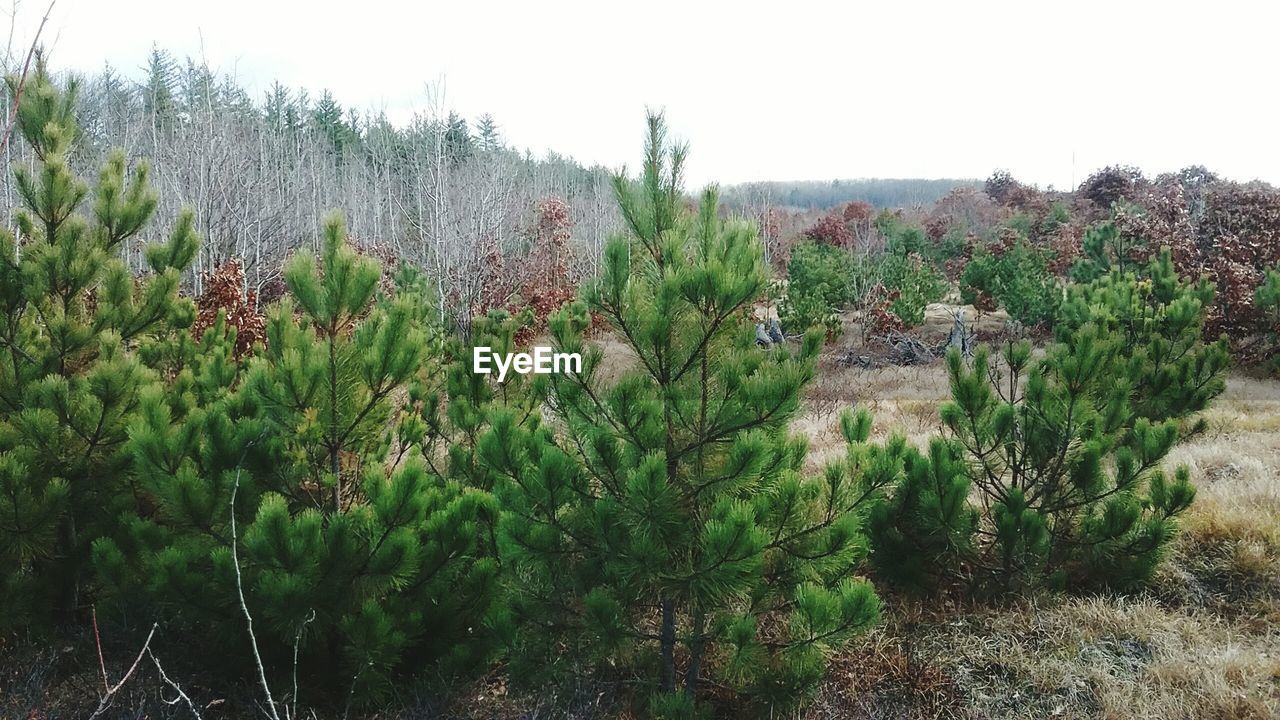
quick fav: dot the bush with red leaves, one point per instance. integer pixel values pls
(1064, 244)
(541, 280)
(858, 211)
(225, 292)
(1003, 189)
(1226, 232)
(1249, 212)
(1112, 184)
(831, 229)
(881, 319)
(964, 210)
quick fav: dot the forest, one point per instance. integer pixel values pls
(883, 448)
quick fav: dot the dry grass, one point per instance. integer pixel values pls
(1205, 643)
(1099, 657)
(904, 400)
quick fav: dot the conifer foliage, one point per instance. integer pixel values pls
(345, 541)
(665, 521)
(1159, 321)
(1064, 453)
(71, 318)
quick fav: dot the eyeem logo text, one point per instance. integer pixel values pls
(542, 361)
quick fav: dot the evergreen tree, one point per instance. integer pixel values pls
(198, 90)
(666, 514)
(327, 120)
(72, 320)
(457, 138)
(1017, 277)
(1106, 248)
(488, 136)
(1158, 319)
(1268, 299)
(159, 93)
(925, 532)
(348, 544)
(279, 110)
(457, 409)
(1065, 453)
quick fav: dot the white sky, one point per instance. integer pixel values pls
(781, 90)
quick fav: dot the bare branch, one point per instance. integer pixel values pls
(181, 695)
(235, 560)
(105, 701)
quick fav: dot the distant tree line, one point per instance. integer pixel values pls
(824, 194)
(439, 193)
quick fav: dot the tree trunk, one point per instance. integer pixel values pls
(668, 646)
(68, 596)
(695, 654)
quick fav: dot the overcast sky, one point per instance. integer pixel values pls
(782, 90)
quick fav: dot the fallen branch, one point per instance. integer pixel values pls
(181, 695)
(105, 701)
(97, 638)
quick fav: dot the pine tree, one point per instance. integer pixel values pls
(1106, 248)
(487, 134)
(72, 322)
(1159, 320)
(1268, 299)
(198, 90)
(279, 110)
(665, 518)
(1065, 452)
(458, 408)
(159, 93)
(347, 543)
(924, 533)
(457, 138)
(327, 120)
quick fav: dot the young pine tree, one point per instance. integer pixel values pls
(1064, 454)
(665, 521)
(1158, 319)
(1105, 248)
(469, 399)
(345, 542)
(72, 320)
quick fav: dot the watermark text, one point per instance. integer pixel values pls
(542, 361)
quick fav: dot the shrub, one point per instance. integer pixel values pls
(914, 282)
(1112, 184)
(1069, 480)
(1064, 453)
(276, 489)
(902, 237)
(1017, 278)
(1159, 319)
(820, 281)
(831, 230)
(225, 295)
(1106, 248)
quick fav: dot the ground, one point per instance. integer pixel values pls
(1202, 642)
